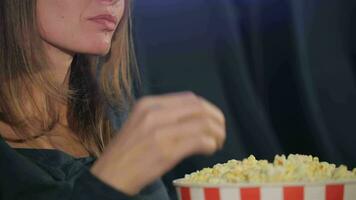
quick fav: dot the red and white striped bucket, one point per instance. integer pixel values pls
(326, 191)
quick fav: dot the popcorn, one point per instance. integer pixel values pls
(294, 168)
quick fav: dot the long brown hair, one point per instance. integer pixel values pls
(96, 83)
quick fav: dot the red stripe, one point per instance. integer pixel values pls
(250, 193)
(212, 194)
(185, 193)
(293, 193)
(334, 192)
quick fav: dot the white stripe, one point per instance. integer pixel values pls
(197, 194)
(269, 193)
(178, 193)
(314, 193)
(230, 194)
(350, 192)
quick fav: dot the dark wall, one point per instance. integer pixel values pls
(282, 71)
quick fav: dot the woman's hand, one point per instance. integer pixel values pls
(160, 132)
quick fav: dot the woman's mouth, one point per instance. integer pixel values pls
(106, 21)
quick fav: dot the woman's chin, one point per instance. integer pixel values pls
(98, 50)
(102, 52)
(91, 47)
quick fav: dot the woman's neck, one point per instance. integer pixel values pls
(59, 62)
(61, 137)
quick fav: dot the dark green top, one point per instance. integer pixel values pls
(31, 174)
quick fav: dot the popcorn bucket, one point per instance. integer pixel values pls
(337, 190)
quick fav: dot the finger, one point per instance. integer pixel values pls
(205, 126)
(194, 135)
(167, 100)
(190, 115)
(174, 107)
(214, 110)
(152, 103)
(155, 118)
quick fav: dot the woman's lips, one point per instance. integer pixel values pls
(108, 22)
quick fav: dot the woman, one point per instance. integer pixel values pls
(64, 71)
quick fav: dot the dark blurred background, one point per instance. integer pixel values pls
(282, 71)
